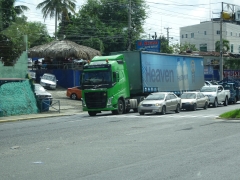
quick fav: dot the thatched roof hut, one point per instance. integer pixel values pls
(63, 49)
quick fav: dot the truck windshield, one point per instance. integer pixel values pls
(96, 79)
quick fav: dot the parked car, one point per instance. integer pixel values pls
(41, 93)
(216, 94)
(74, 92)
(48, 81)
(194, 100)
(160, 103)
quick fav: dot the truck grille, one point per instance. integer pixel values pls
(96, 100)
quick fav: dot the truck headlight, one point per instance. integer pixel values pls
(109, 102)
(83, 102)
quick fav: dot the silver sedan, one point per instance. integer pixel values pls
(194, 100)
(160, 103)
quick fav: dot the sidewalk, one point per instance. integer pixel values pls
(64, 111)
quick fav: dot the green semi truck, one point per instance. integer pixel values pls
(118, 82)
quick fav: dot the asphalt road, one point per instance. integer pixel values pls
(188, 145)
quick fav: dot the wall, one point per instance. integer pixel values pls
(19, 70)
(66, 77)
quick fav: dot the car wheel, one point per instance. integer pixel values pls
(163, 110)
(194, 108)
(205, 106)
(177, 109)
(73, 96)
(235, 100)
(92, 113)
(225, 102)
(215, 104)
(141, 113)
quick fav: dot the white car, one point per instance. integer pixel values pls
(41, 93)
(193, 100)
(160, 103)
(48, 81)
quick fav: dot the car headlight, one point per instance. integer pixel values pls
(158, 104)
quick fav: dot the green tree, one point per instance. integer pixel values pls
(13, 37)
(105, 22)
(57, 9)
(165, 48)
(225, 44)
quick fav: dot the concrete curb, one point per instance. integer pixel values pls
(34, 116)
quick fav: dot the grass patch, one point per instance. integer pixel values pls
(231, 114)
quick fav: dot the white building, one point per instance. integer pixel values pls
(205, 35)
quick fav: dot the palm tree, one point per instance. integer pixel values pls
(20, 9)
(225, 46)
(56, 8)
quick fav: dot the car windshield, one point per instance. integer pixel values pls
(39, 88)
(48, 77)
(208, 89)
(155, 97)
(188, 96)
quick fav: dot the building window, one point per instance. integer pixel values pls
(182, 36)
(230, 33)
(231, 48)
(205, 32)
(218, 32)
(192, 35)
(203, 47)
(186, 35)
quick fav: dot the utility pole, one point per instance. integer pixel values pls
(168, 33)
(129, 25)
(221, 45)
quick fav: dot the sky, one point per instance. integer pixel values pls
(163, 16)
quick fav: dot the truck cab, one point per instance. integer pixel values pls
(105, 85)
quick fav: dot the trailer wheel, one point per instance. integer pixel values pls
(226, 102)
(92, 113)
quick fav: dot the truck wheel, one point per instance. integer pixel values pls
(194, 108)
(177, 109)
(163, 110)
(121, 108)
(92, 113)
(141, 113)
(127, 110)
(225, 102)
(215, 104)
(205, 106)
